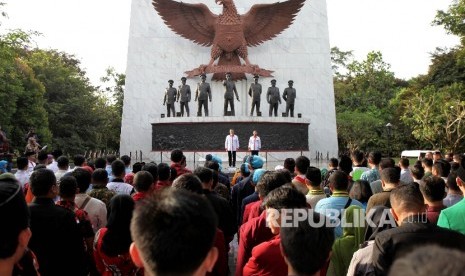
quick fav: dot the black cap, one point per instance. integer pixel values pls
(256, 76)
(273, 80)
(183, 78)
(291, 81)
(170, 81)
(203, 75)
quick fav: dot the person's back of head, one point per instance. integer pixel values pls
(14, 233)
(333, 163)
(404, 163)
(374, 158)
(345, 164)
(339, 181)
(83, 178)
(301, 164)
(63, 162)
(390, 176)
(136, 167)
(433, 188)
(100, 163)
(151, 168)
(22, 163)
(357, 157)
(173, 233)
(361, 191)
(386, 163)
(289, 164)
(100, 178)
(405, 200)
(430, 260)
(417, 172)
(445, 166)
(270, 181)
(67, 188)
(427, 163)
(117, 239)
(118, 169)
(42, 182)
(189, 182)
(126, 160)
(42, 157)
(143, 181)
(285, 197)
(452, 182)
(79, 160)
(212, 165)
(256, 162)
(164, 172)
(176, 155)
(313, 176)
(110, 159)
(306, 247)
(204, 174)
(245, 170)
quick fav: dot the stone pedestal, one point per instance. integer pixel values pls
(156, 54)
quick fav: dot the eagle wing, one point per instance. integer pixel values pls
(192, 21)
(265, 21)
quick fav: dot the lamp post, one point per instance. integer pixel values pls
(389, 133)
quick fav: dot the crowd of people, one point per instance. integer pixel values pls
(363, 215)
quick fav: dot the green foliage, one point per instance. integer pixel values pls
(453, 20)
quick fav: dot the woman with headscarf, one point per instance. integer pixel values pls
(111, 245)
(381, 219)
(353, 226)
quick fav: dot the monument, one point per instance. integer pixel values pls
(301, 52)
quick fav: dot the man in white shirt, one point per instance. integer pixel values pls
(22, 175)
(117, 184)
(405, 174)
(54, 165)
(63, 167)
(231, 145)
(31, 157)
(95, 208)
(255, 144)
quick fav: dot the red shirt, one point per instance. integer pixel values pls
(139, 196)
(179, 170)
(109, 266)
(221, 265)
(252, 210)
(162, 184)
(432, 213)
(266, 260)
(252, 234)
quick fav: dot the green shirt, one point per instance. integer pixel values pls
(453, 217)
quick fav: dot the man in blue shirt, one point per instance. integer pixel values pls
(336, 204)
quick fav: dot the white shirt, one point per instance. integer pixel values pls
(120, 188)
(30, 167)
(95, 208)
(22, 176)
(255, 143)
(53, 166)
(231, 143)
(59, 174)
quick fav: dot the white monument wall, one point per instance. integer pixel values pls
(156, 54)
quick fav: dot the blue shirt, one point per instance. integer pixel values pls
(332, 207)
(371, 175)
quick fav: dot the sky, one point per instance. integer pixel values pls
(96, 31)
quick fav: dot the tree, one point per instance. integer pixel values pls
(453, 20)
(436, 115)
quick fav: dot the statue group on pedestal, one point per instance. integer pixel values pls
(203, 94)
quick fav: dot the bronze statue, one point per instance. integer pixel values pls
(255, 91)
(229, 33)
(289, 96)
(230, 87)
(202, 94)
(184, 94)
(170, 99)
(273, 98)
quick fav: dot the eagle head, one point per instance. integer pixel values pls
(222, 2)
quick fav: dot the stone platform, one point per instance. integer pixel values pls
(206, 134)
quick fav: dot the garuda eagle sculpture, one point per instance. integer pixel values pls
(229, 34)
